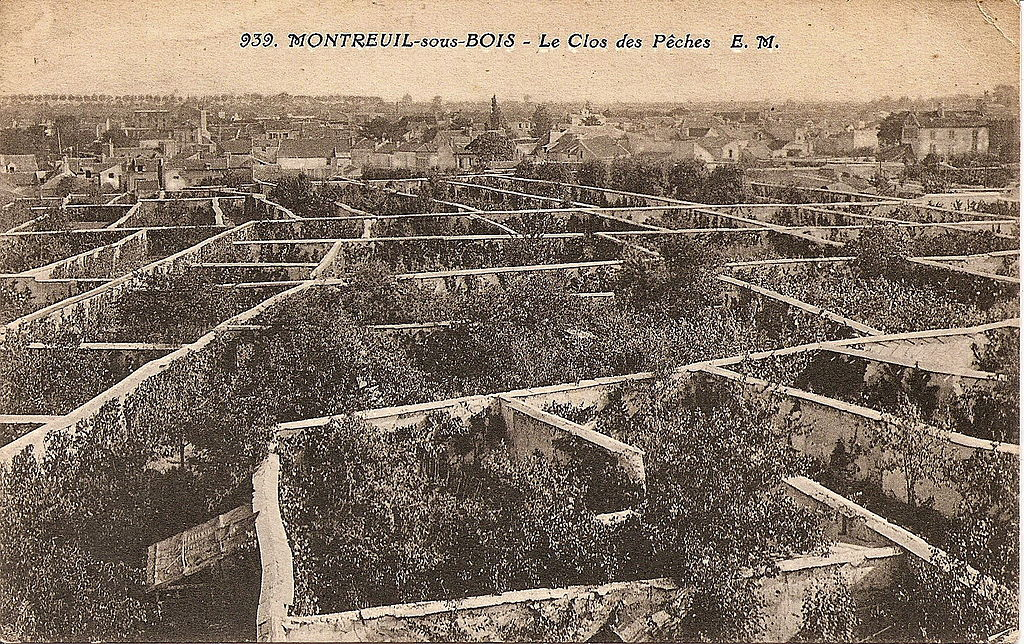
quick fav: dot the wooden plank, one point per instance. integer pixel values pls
(199, 547)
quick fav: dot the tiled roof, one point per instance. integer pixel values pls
(950, 119)
(236, 146)
(312, 148)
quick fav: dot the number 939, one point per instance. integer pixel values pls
(256, 40)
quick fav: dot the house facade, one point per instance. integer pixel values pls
(946, 133)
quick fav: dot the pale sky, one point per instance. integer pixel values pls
(828, 49)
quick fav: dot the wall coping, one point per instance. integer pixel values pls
(866, 412)
(148, 268)
(810, 308)
(591, 436)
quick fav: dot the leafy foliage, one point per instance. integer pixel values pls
(76, 523)
(881, 250)
(173, 308)
(379, 517)
(829, 613)
(686, 279)
(893, 303)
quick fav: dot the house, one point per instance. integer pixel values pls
(721, 148)
(945, 133)
(321, 158)
(12, 163)
(857, 136)
(439, 152)
(864, 136)
(199, 170)
(519, 129)
(130, 152)
(19, 184)
(382, 156)
(699, 132)
(786, 148)
(361, 151)
(755, 151)
(235, 146)
(105, 175)
(692, 149)
(570, 147)
(585, 117)
(144, 176)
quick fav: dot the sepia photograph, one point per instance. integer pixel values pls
(510, 321)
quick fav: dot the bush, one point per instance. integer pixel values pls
(829, 613)
(379, 517)
(684, 280)
(881, 250)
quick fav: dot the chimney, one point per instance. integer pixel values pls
(941, 111)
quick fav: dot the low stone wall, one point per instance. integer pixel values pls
(634, 611)
(588, 276)
(108, 261)
(952, 351)
(827, 423)
(120, 391)
(530, 430)
(83, 312)
(277, 585)
(742, 291)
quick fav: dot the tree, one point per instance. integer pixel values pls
(890, 129)
(911, 451)
(679, 531)
(683, 281)
(881, 250)
(829, 612)
(496, 119)
(688, 180)
(540, 122)
(383, 129)
(53, 588)
(725, 185)
(493, 146)
(592, 173)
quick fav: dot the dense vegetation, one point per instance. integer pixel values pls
(442, 511)
(438, 512)
(893, 302)
(687, 180)
(988, 409)
(983, 529)
(537, 330)
(77, 521)
(25, 252)
(172, 308)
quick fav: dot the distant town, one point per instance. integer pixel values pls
(56, 144)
